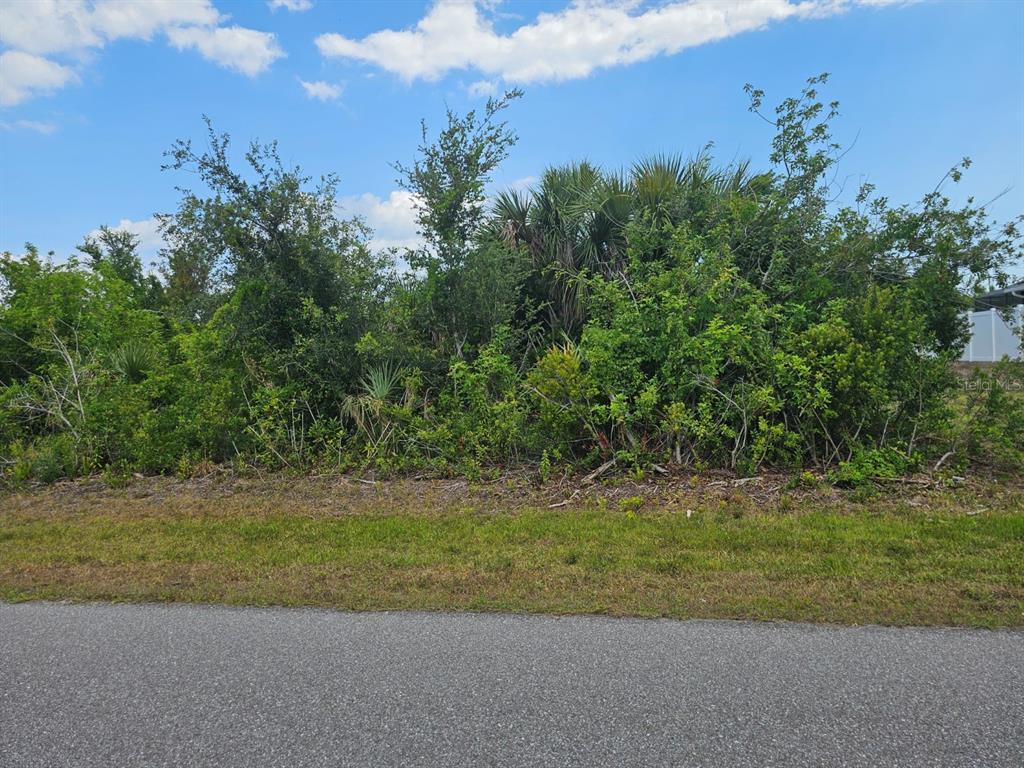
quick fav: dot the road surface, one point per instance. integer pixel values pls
(160, 685)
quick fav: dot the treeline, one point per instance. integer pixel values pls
(679, 312)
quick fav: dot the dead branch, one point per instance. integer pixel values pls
(600, 470)
(565, 501)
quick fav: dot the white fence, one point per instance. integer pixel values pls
(992, 338)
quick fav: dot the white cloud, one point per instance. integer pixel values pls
(571, 43)
(524, 183)
(29, 125)
(392, 219)
(23, 75)
(296, 6)
(47, 27)
(482, 88)
(32, 29)
(148, 232)
(321, 90)
(120, 18)
(243, 50)
(60, 26)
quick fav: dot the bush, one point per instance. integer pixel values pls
(675, 312)
(44, 461)
(986, 423)
(873, 464)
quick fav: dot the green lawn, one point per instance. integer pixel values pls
(932, 559)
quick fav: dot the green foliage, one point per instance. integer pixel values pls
(468, 284)
(133, 361)
(295, 284)
(630, 505)
(449, 177)
(988, 424)
(544, 467)
(45, 460)
(380, 381)
(677, 312)
(480, 410)
(576, 223)
(560, 391)
(872, 464)
(117, 251)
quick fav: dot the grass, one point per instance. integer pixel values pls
(921, 557)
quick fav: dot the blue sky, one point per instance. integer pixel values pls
(91, 94)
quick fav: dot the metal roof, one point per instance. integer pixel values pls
(1010, 296)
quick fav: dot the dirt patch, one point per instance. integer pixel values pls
(222, 492)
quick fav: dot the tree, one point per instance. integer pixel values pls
(449, 177)
(574, 223)
(465, 286)
(118, 250)
(296, 283)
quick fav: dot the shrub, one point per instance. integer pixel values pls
(676, 312)
(873, 464)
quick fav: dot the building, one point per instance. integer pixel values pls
(992, 337)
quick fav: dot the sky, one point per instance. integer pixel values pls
(93, 93)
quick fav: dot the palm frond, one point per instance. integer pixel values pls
(133, 360)
(379, 382)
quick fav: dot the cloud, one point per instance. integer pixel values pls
(321, 90)
(29, 125)
(393, 219)
(243, 50)
(23, 75)
(148, 232)
(482, 88)
(123, 18)
(35, 31)
(296, 6)
(568, 44)
(524, 183)
(61, 26)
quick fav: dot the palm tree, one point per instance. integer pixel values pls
(574, 223)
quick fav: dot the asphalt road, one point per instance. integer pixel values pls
(152, 685)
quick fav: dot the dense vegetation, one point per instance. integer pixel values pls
(677, 312)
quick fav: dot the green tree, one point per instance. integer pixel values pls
(296, 284)
(464, 285)
(449, 178)
(574, 223)
(118, 249)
